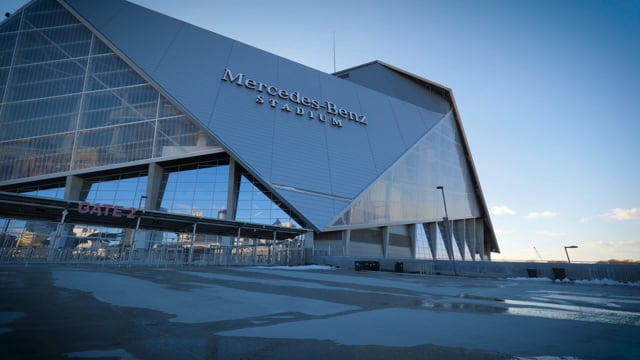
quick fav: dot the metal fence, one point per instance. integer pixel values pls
(161, 256)
(203, 250)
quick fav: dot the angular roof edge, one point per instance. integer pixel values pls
(6, 18)
(448, 92)
(399, 70)
(476, 179)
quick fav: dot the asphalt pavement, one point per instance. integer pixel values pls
(110, 312)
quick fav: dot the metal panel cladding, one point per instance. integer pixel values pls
(297, 130)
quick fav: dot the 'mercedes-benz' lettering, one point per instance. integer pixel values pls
(232, 79)
(333, 113)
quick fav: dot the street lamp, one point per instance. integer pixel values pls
(447, 227)
(142, 197)
(135, 232)
(566, 252)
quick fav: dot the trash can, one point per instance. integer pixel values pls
(358, 265)
(532, 273)
(559, 273)
(371, 265)
(399, 267)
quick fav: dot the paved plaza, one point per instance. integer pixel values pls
(102, 312)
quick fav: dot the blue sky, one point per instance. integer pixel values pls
(547, 91)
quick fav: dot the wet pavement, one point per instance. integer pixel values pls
(101, 312)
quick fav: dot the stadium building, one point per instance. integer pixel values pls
(123, 128)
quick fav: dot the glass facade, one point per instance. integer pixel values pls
(255, 207)
(199, 191)
(125, 189)
(407, 192)
(80, 123)
(69, 103)
(54, 190)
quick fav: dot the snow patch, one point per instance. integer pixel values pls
(210, 303)
(606, 282)
(540, 279)
(400, 327)
(300, 267)
(582, 282)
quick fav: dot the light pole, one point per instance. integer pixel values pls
(566, 252)
(135, 232)
(447, 227)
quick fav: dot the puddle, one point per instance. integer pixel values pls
(572, 312)
(7, 317)
(466, 307)
(539, 307)
(483, 298)
(467, 303)
(595, 300)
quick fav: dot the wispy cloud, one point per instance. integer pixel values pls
(612, 243)
(542, 214)
(585, 220)
(502, 210)
(622, 214)
(550, 233)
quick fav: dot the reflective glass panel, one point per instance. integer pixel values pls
(199, 191)
(69, 102)
(44, 191)
(256, 207)
(407, 192)
(125, 190)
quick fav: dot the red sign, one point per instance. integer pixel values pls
(106, 210)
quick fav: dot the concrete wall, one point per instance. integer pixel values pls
(581, 271)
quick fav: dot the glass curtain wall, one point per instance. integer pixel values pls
(69, 103)
(407, 192)
(124, 189)
(255, 207)
(202, 190)
(196, 189)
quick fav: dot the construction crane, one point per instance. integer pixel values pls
(538, 253)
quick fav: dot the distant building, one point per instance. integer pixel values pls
(115, 118)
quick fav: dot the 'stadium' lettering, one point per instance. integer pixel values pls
(295, 97)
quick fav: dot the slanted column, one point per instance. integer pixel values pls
(233, 189)
(385, 241)
(413, 236)
(76, 188)
(470, 236)
(156, 185)
(480, 239)
(233, 192)
(346, 241)
(446, 238)
(431, 230)
(458, 232)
